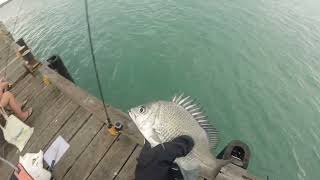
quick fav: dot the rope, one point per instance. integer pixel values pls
(14, 28)
(94, 63)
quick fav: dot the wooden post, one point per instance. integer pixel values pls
(56, 63)
(27, 55)
(30, 61)
(22, 49)
(21, 43)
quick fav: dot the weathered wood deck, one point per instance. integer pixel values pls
(61, 108)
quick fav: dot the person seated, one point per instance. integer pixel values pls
(8, 99)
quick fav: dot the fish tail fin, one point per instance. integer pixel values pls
(189, 171)
(191, 174)
(211, 172)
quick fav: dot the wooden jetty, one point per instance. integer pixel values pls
(60, 108)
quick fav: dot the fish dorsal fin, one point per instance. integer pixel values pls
(195, 110)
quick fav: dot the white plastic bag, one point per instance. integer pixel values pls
(33, 164)
(15, 131)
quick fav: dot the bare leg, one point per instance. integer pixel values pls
(9, 99)
(4, 85)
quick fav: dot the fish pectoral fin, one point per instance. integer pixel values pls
(156, 137)
(190, 174)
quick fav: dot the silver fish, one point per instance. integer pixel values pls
(162, 121)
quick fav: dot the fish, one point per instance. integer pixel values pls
(162, 121)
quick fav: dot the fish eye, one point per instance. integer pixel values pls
(142, 109)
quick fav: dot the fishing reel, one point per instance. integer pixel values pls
(238, 152)
(115, 129)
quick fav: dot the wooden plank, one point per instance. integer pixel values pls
(5, 41)
(18, 87)
(12, 61)
(18, 73)
(3, 29)
(53, 127)
(71, 127)
(14, 70)
(92, 104)
(128, 171)
(42, 103)
(6, 59)
(46, 115)
(90, 158)
(32, 89)
(5, 44)
(77, 145)
(8, 48)
(4, 33)
(111, 164)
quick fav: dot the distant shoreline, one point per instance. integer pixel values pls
(4, 3)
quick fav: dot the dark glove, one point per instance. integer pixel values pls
(156, 163)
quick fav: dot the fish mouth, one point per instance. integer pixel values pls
(132, 115)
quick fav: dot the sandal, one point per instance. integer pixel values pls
(29, 114)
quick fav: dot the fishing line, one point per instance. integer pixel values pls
(94, 63)
(14, 28)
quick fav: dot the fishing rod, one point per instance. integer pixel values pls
(13, 30)
(110, 125)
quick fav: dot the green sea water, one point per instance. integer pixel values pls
(254, 65)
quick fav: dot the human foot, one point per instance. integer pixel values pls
(26, 114)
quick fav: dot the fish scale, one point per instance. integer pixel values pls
(162, 121)
(187, 126)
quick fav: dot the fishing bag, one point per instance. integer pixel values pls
(15, 131)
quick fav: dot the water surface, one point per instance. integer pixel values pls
(254, 65)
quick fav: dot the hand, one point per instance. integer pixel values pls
(156, 163)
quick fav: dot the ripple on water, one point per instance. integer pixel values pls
(301, 173)
(316, 152)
